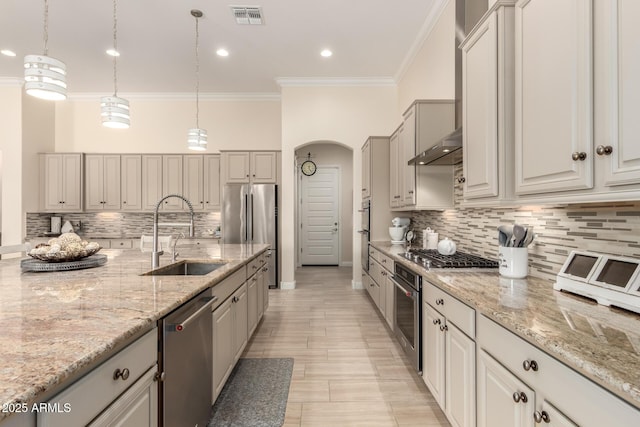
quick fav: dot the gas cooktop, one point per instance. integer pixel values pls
(432, 258)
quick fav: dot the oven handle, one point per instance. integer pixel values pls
(410, 292)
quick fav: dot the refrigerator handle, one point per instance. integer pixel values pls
(251, 217)
(246, 216)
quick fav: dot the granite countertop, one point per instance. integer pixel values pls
(602, 343)
(55, 325)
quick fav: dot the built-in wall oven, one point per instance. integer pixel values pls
(365, 224)
(408, 313)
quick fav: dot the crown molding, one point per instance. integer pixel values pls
(177, 96)
(11, 81)
(337, 81)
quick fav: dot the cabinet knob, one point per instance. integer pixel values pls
(461, 180)
(520, 397)
(235, 299)
(124, 202)
(121, 374)
(541, 416)
(604, 150)
(436, 322)
(439, 301)
(159, 377)
(579, 156)
(530, 365)
(444, 328)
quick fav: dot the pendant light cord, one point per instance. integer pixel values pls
(46, 27)
(197, 77)
(115, 48)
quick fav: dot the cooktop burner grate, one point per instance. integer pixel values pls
(457, 260)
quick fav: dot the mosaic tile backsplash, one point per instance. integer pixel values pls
(123, 225)
(612, 228)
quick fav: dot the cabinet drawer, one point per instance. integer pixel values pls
(582, 400)
(121, 243)
(91, 394)
(254, 265)
(386, 262)
(228, 286)
(463, 316)
(104, 243)
(373, 253)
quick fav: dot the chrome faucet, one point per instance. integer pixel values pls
(174, 253)
(155, 254)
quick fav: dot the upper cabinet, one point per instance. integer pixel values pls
(102, 181)
(61, 182)
(366, 170)
(487, 107)
(577, 86)
(202, 181)
(256, 167)
(421, 187)
(131, 182)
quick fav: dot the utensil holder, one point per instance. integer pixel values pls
(514, 262)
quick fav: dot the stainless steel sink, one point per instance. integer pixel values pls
(186, 268)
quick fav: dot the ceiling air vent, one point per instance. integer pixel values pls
(247, 15)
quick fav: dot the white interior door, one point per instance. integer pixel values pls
(319, 225)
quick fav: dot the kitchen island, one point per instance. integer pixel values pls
(57, 326)
(598, 342)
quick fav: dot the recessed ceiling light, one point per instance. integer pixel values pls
(222, 52)
(7, 52)
(326, 53)
(113, 52)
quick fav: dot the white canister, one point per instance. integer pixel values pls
(514, 262)
(432, 240)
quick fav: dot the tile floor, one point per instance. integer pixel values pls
(348, 369)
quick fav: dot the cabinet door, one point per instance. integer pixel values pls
(172, 171)
(240, 319)
(394, 174)
(366, 170)
(137, 407)
(131, 182)
(460, 377)
(408, 151)
(617, 67)
(261, 283)
(264, 167)
(555, 417)
(236, 167)
(72, 182)
(433, 341)
(498, 390)
(252, 304)
(390, 302)
(212, 182)
(94, 181)
(151, 181)
(222, 319)
(193, 183)
(112, 182)
(480, 112)
(553, 75)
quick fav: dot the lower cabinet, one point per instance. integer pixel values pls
(379, 284)
(449, 355)
(121, 391)
(520, 385)
(255, 292)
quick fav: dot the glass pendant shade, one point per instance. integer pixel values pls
(45, 77)
(114, 112)
(197, 139)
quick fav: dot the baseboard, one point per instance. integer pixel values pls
(346, 264)
(356, 285)
(287, 285)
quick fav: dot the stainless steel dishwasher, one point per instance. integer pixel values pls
(187, 363)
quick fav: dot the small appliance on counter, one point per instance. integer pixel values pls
(399, 230)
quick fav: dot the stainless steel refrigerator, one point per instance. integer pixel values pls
(250, 215)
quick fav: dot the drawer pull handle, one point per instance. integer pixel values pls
(530, 365)
(541, 416)
(520, 397)
(439, 301)
(124, 374)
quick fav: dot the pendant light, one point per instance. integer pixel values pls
(197, 137)
(114, 110)
(45, 77)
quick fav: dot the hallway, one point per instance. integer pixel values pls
(348, 369)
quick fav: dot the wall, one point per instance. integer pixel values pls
(159, 124)
(346, 115)
(328, 154)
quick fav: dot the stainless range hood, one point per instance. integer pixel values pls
(448, 150)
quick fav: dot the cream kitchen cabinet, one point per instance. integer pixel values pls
(524, 386)
(255, 292)
(151, 181)
(488, 55)
(201, 183)
(396, 177)
(380, 286)
(375, 184)
(61, 182)
(102, 182)
(366, 170)
(172, 178)
(121, 391)
(423, 187)
(257, 167)
(161, 175)
(448, 358)
(131, 182)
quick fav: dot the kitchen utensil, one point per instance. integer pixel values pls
(519, 233)
(410, 235)
(446, 246)
(528, 238)
(504, 234)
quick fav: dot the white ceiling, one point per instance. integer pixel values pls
(371, 39)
